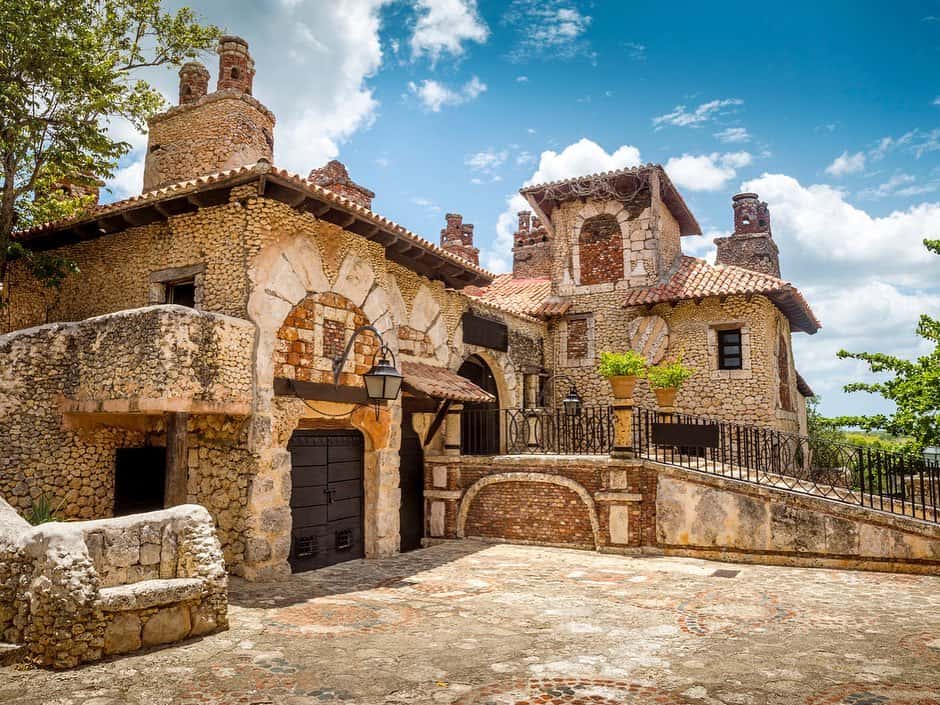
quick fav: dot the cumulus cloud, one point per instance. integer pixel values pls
(704, 113)
(444, 26)
(846, 163)
(582, 157)
(434, 95)
(551, 29)
(733, 135)
(706, 172)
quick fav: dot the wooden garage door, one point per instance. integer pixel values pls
(326, 498)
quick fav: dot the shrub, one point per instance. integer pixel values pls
(667, 375)
(623, 364)
(42, 511)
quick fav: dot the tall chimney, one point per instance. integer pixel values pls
(751, 245)
(457, 238)
(532, 249)
(194, 82)
(236, 67)
(334, 176)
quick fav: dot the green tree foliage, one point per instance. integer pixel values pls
(66, 68)
(914, 386)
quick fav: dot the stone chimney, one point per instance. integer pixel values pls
(457, 238)
(236, 67)
(194, 82)
(532, 248)
(752, 245)
(334, 176)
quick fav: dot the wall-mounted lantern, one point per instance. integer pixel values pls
(383, 380)
(572, 403)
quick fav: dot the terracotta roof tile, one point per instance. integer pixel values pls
(523, 296)
(696, 279)
(441, 383)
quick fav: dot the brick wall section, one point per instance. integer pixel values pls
(601, 250)
(532, 512)
(577, 338)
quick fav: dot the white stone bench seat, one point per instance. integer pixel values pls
(149, 593)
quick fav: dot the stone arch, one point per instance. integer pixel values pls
(428, 322)
(504, 372)
(472, 492)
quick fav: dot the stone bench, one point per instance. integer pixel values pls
(150, 593)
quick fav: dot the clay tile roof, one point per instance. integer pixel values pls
(696, 279)
(137, 210)
(802, 387)
(524, 296)
(441, 383)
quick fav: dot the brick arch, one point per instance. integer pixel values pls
(314, 332)
(529, 478)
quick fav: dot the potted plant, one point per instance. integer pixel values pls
(622, 370)
(666, 378)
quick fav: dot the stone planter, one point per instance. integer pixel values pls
(622, 386)
(666, 397)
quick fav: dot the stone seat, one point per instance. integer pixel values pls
(150, 593)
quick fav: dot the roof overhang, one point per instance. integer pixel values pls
(401, 246)
(424, 380)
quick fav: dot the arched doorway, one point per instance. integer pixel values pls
(479, 421)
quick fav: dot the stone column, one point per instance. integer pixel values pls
(452, 430)
(623, 429)
(176, 487)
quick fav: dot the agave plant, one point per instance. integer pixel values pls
(42, 511)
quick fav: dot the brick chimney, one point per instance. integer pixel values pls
(194, 82)
(457, 238)
(236, 67)
(532, 248)
(334, 176)
(751, 245)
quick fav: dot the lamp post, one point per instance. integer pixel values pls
(383, 380)
(572, 402)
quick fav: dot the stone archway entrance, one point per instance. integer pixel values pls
(479, 421)
(327, 498)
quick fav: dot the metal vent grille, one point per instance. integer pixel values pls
(306, 547)
(344, 540)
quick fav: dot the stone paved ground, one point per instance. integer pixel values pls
(475, 624)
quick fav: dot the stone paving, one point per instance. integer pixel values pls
(476, 624)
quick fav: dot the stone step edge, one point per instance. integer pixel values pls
(11, 653)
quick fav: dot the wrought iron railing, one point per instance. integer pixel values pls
(537, 431)
(898, 483)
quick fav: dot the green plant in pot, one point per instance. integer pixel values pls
(666, 378)
(622, 369)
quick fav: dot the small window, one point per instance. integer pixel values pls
(182, 293)
(729, 349)
(234, 73)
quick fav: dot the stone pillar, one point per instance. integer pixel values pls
(452, 430)
(194, 82)
(177, 459)
(623, 429)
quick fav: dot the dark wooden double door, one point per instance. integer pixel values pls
(326, 498)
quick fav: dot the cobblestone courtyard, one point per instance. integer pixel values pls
(476, 624)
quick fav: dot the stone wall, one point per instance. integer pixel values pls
(85, 590)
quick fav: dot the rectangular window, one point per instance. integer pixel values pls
(181, 293)
(729, 349)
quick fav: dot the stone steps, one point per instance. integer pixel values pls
(11, 653)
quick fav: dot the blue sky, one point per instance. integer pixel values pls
(831, 111)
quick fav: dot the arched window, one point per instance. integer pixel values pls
(234, 73)
(600, 250)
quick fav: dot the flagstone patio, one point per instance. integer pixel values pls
(476, 624)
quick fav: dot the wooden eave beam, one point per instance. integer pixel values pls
(438, 419)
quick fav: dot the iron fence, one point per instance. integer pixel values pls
(537, 431)
(893, 482)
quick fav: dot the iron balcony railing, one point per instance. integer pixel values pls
(892, 482)
(537, 431)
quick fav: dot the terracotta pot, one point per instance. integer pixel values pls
(622, 386)
(665, 396)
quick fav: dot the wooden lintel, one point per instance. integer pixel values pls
(318, 391)
(438, 419)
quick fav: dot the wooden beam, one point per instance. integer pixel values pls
(284, 387)
(437, 420)
(176, 487)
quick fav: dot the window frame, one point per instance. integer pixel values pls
(723, 356)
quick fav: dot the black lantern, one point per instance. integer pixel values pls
(572, 402)
(383, 381)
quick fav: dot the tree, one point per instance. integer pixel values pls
(66, 68)
(914, 386)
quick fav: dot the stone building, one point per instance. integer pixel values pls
(192, 359)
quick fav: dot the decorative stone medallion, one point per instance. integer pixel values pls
(339, 617)
(713, 611)
(649, 336)
(877, 694)
(565, 691)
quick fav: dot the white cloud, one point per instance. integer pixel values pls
(444, 26)
(426, 203)
(734, 135)
(550, 29)
(524, 158)
(486, 160)
(706, 172)
(846, 163)
(435, 95)
(382, 161)
(582, 157)
(936, 101)
(128, 180)
(900, 184)
(522, 79)
(832, 239)
(706, 112)
(636, 51)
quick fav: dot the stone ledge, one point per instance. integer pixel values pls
(443, 494)
(617, 497)
(158, 405)
(149, 593)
